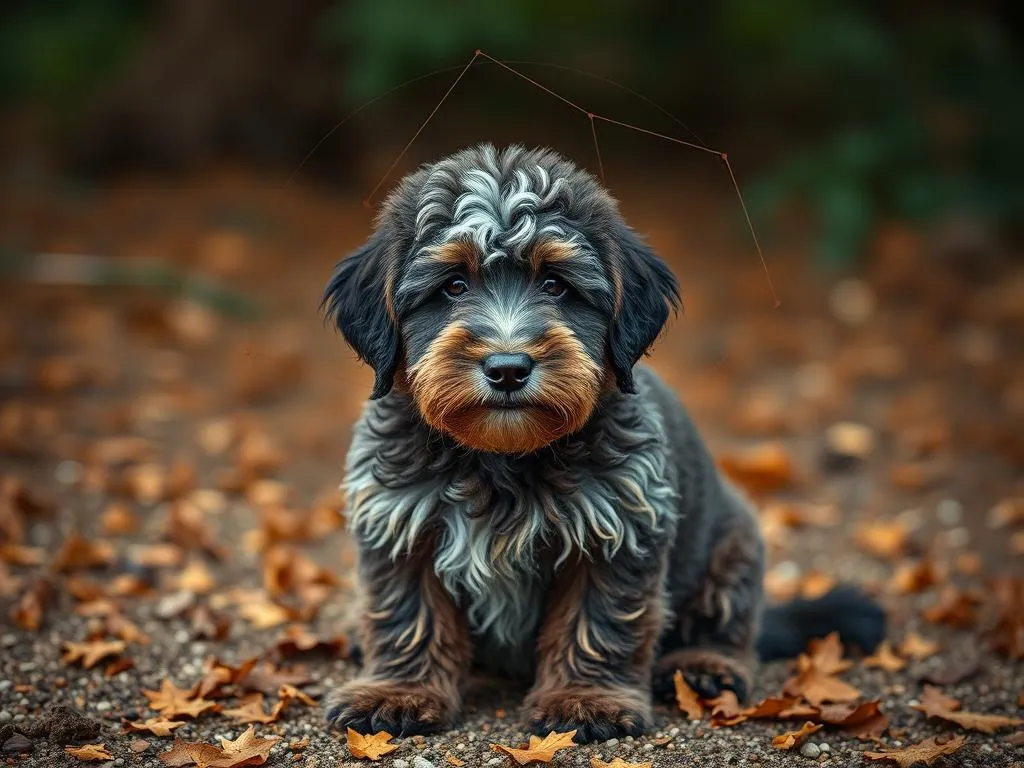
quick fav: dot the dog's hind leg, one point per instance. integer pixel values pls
(713, 636)
(596, 648)
(416, 651)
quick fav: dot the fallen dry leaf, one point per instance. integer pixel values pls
(89, 752)
(247, 749)
(915, 576)
(538, 750)
(91, 653)
(864, 721)
(118, 519)
(267, 678)
(774, 708)
(371, 747)
(686, 698)
(297, 640)
(927, 752)
(172, 701)
(915, 646)
(884, 658)
(158, 726)
(936, 704)
(886, 540)
(219, 675)
(791, 739)
(955, 608)
(761, 469)
(195, 577)
(251, 711)
(177, 755)
(826, 655)
(819, 688)
(27, 613)
(117, 666)
(618, 762)
(289, 693)
(79, 552)
(726, 710)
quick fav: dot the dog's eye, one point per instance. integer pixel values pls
(456, 287)
(553, 287)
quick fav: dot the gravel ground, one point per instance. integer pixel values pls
(168, 374)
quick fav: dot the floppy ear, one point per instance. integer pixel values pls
(647, 290)
(356, 299)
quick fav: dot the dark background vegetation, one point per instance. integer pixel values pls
(860, 110)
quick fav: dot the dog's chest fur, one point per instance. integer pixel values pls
(501, 526)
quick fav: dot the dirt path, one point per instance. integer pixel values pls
(131, 422)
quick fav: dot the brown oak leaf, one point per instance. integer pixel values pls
(91, 653)
(927, 752)
(687, 698)
(914, 646)
(761, 469)
(618, 762)
(884, 658)
(826, 655)
(371, 747)
(934, 703)
(251, 711)
(171, 701)
(289, 693)
(864, 721)
(791, 739)
(89, 752)
(726, 710)
(158, 726)
(885, 540)
(538, 750)
(247, 749)
(218, 675)
(777, 708)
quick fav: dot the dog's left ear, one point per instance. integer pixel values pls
(647, 291)
(356, 298)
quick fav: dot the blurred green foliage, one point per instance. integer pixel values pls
(884, 109)
(58, 52)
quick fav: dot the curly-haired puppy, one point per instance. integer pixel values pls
(524, 496)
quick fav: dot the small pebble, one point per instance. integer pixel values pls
(810, 749)
(986, 748)
(648, 747)
(824, 747)
(673, 732)
(611, 742)
(102, 706)
(495, 760)
(400, 763)
(5, 716)
(421, 762)
(950, 512)
(68, 472)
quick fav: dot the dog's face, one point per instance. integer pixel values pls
(503, 290)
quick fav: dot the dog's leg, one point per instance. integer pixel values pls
(596, 648)
(416, 652)
(716, 627)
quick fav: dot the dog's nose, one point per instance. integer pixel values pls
(506, 371)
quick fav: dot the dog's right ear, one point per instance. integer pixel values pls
(357, 300)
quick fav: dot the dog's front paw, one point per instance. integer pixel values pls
(596, 714)
(401, 709)
(709, 674)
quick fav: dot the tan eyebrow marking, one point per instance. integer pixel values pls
(550, 252)
(456, 253)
